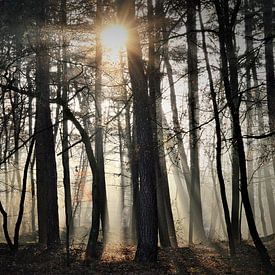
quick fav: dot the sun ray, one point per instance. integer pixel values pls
(114, 39)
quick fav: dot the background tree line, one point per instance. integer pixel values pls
(174, 139)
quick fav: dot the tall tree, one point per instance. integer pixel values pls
(196, 219)
(99, 211)
(65, 134)
(165, 217)
(269, 66)
(98, 119)
(219, 141)
(249, 96)
(147, 211)
(46, 176)
(227, 22)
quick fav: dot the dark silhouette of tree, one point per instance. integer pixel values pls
(229, 71)
(147, 203)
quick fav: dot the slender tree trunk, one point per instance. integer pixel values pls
(262, 212)
(132, 157)
(91, 250)
(98, 117)
(235, 210)
(5, 226)
(99, 212)
(249, 97)
(122, 181)
(268, 184)
(171, 147)
(216, 202)
(154, 88)
(30, 118)
(226, 38)
(196, 219)
(65, 134)
(219, 145)
(269, 67)
(23, 196)
(175, 116)
(267, 180)
(270, 196)
(159, 121)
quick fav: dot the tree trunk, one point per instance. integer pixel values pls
(122, 181)
(91, 250)
(30, 113)
(268, 185)
(196, 219)
(228, 57)
(23, 196)
(154, 89)
(270, 196)
(65, 134)
(249, 95)
(175, 116)
(132, 157)
(262, 212)
(219, 144)
(269, 67)
(147, 222)
(98, 121)
(46, 175)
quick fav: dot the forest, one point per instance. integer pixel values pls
(137, 136)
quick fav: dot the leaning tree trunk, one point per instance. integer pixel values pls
(228, 58)
(219, 144)
(175, 118)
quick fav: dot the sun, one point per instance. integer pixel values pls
(114, 39)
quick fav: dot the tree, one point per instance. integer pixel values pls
(269, 65)
(219, 141)
(196, 219)
(228, 55)
(165, 216)
(65, 134)
(48, 222)
(147, 204)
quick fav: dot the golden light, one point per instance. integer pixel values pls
(114, 39)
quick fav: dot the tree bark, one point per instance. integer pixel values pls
(46, 176)
(154, 89)
(65, 134)
(249, 96)
(98, 121)
(269, 67)
(147, 222)
(226, 38)
(219, 144)
(196, 219)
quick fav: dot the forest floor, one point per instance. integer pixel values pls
(118, 259)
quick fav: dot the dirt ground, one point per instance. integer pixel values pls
(118, 259)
